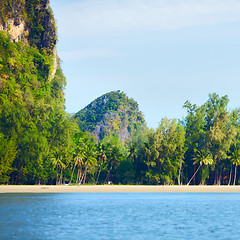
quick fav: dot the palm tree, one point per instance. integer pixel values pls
(203, 158)
(101, 155)
(235, 160)
(132, 152)
(57, 162)
(114, 157)
(78, 160)
(89, 160)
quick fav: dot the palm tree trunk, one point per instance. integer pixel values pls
(72, 174)
(230, 177)
(85, 174)
(77, 176)
(99, 172)
(61, 176)
(108, 173)
(80, 176)
(148, 175)
(202, 182)
(194, 175)
(223, 176)
(194, 180)
(216, 174)
(57, 176)
(235, 175)
(219, 178)
(179, 173)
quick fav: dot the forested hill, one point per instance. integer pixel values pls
(34, 128)
(112, 114)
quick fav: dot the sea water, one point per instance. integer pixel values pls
(120, 216)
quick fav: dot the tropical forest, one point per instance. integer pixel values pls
(108, 141)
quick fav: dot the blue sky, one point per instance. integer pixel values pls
(161, 53)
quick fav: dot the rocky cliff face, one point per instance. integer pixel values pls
(12, 19)
(111, 125)
(111, 114)
(30, 21)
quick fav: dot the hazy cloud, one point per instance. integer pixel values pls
(86, 53)
(91, 17)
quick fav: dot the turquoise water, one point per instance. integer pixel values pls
(120, 216)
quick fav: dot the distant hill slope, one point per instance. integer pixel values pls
(112, 114)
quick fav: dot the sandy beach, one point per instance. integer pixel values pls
(117, 189)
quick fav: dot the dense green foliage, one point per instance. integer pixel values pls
(34, 127)
(41, 144)
(211, 134)
(41, 23)
(204, 148)
(33, 123)
(111, 114)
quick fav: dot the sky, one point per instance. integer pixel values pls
(159, 52)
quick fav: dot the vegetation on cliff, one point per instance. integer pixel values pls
(38, 19)
(112, 114)
(34, 127)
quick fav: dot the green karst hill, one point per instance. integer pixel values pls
(112, 114)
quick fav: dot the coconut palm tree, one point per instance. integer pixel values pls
(58, 163)
(132, 152)
(114, 158)
(235, 160)
(90, 159)
(78, 161)
(202, 157)
(101, 149)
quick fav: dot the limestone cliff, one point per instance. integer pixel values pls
(34, 127)
(111, 114)
(30, 21)
(12, 19)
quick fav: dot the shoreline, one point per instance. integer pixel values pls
(117, 189)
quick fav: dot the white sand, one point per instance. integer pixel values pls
(117, 188)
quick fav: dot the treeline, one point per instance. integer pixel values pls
(203, 148)
(40, 144)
